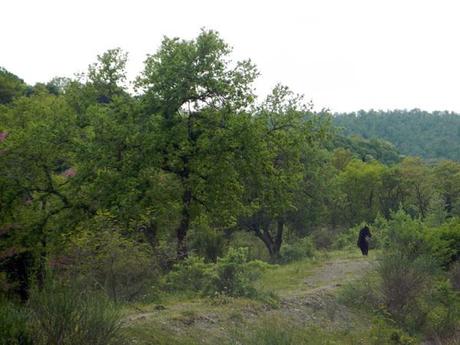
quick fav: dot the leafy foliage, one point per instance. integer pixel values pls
(14, 329)
(122, 268)
(10, 86)
(232, 275)
(444, 242)
(302, 248)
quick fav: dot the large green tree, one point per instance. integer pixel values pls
(36, 169)
(284, 178)
(197, 100)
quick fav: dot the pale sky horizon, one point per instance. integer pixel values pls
(342, 55)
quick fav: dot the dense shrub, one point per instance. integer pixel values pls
(13, 325)
(207, 242)
(165, 255)
(192, 274)
(122, 267)
(323, 238)
(402, 280)
(235, 273)
(444, 242)
(383, 333)
(64, 315)
(406, 235)
(302, 248)
(255, 247)
(231, 275)
(442, 310)
(363, 293)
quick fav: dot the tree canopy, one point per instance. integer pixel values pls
(414, 132)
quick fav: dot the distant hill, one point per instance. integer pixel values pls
(368, 149)
(414, 132)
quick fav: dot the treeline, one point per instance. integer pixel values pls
(414, 132)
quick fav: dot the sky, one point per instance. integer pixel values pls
(343, 55)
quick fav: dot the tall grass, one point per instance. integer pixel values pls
(63, 315)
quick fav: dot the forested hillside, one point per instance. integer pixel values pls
(191, 191)
(414, 132)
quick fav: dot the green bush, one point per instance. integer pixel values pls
(13, 325)
(65, 315)
(406, 235)
(442, 310)
(122, 267)
(303, 248)
(207, 242)
(380, 230)
(444, 242)
(191, 274)
(382, 333)
(165, 255)
(362, 294)
(236, 274)
(323, 238)
(256, 248)
(232, 275)
(402, 281)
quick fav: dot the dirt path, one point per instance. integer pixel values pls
(314, 301)
(335, 273)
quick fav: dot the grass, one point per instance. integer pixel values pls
(285, 280)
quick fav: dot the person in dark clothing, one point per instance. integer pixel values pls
(363, 243)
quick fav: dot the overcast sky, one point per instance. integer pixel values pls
(344, 55)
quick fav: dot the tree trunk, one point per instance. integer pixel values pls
(184, 225)
(41, 269)
(448, 205)
(150, 232)
(273, 244)
(279, 236)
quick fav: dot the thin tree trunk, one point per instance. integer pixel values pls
(279, 237)
(184, 225)
(273, 245)
(150, 232)
(266, 239)
(41, 269)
